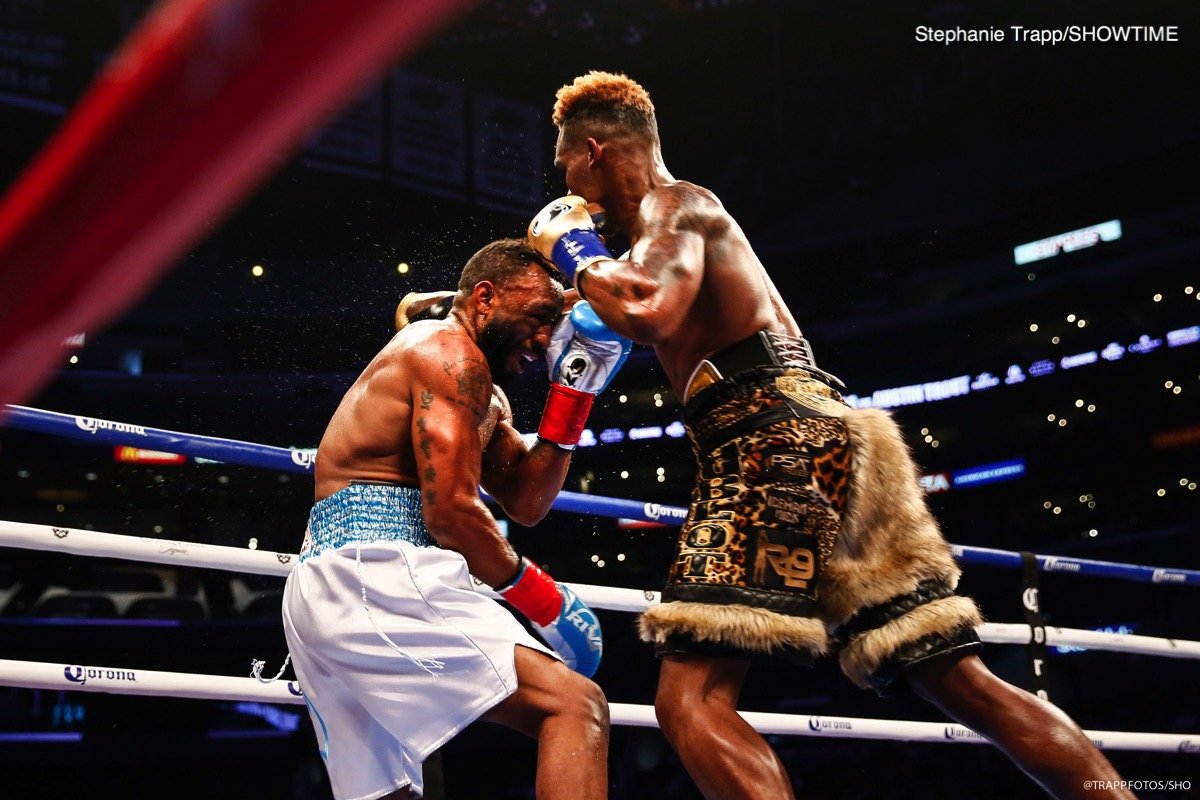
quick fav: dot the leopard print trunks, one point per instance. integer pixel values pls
(773, 475)
(807, 534)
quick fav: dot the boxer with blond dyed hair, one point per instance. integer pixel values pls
(807, 533)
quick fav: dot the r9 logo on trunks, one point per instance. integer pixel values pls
(706, 534)
(795, 565)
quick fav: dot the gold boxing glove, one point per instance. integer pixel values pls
(416, 306)
(564, 232)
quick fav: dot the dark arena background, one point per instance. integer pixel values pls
(999, 241)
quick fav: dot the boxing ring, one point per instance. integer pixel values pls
(132, 681)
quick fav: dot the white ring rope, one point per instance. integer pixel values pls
(115, 680)
(74, 677)
(265, 562)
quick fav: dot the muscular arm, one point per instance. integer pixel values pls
(647, 297)
(524, 480)
(451, 389)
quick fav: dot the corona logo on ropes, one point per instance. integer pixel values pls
(304, 457)
(955, 732)
(819, 724)
(91, 425)
(81, 675)
(1029, 599)
(655, 511)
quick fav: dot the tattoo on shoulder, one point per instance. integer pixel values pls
(474, 386)
(426, 399)
(681, 206)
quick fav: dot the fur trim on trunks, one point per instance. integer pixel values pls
(744, 627)
(889, 541)
(865, 653)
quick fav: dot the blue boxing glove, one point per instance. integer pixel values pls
(561, 618)
(565, 233)
(583, 356)
(584, 353)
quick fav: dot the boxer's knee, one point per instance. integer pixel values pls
(673, 713)
(593, 705)
(581, 699)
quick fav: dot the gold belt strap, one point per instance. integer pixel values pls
(705, 374)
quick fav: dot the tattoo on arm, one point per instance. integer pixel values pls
(423, 440)
(426, 400)
(474, 387)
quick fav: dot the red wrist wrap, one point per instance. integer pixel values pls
(565, 415)
(534, 594)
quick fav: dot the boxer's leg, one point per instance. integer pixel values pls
(568, 715)
(696, 707)
(1036, 735)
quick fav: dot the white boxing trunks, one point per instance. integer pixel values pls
(391, 678)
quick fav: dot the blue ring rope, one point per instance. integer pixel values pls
(301, 461)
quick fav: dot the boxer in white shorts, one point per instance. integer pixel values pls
(395, 650)
(456, 661)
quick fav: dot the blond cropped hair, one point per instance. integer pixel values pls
(606, 98)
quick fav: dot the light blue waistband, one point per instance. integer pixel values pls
(366, 512)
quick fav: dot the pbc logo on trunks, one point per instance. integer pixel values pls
(60, 533)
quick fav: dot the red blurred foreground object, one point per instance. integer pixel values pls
(193, 111)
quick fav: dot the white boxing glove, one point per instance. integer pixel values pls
(584, 353)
